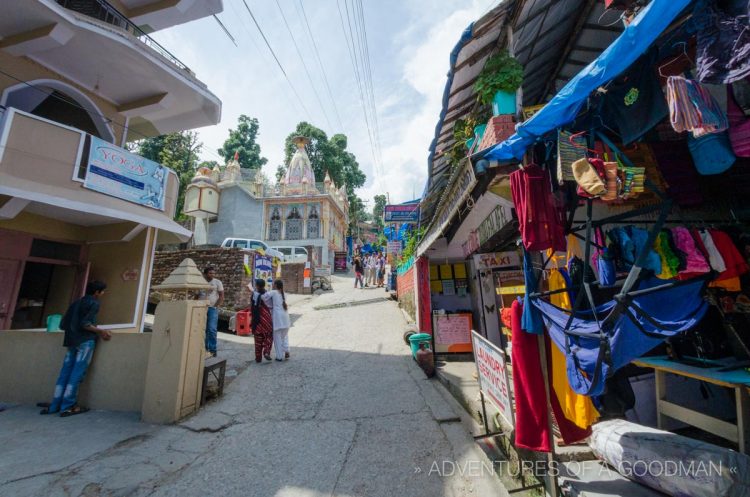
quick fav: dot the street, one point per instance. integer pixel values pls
(350, 414)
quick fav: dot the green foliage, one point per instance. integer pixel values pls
(177, 151)
(502, 72)
(280, 173)
(410, 247)
(331, 155)
(208, 163)
(243, 142)
(382, 240)
(379, 209)
(463, 130)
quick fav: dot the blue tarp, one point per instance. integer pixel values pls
(563, 108)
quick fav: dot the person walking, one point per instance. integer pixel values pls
(281, 322)
(358, 272)
(215, 300)
(381, 271)
(81, 333)
(372, 264)
(261, 322)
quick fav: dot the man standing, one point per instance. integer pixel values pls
(81, 333)
(215, 300)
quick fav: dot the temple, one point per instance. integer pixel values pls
(298, 211)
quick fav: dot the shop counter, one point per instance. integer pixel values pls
(738, 380)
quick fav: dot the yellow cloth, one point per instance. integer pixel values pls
(577, 408)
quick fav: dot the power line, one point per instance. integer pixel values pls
(226, 31)
(304, 65)
(322, 68)
(294, 90)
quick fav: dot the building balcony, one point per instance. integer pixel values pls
(106, 53)
(44, 168)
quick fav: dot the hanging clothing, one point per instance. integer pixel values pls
(631, 241)
(695, 263)
(568, 153)
(709, 248)
(693, 108)
(531, 321)
(577, 408)
(723, 44)
(739, 126)
(541, 222)
(683, 183)
(670, 264)
(735, 264)
(532, 415)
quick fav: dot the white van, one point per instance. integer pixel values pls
(293, 254)
(250, 244)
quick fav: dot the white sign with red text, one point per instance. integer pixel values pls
(493, 376)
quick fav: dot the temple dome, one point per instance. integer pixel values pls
(299, 167)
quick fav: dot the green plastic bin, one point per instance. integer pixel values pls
(418, 338)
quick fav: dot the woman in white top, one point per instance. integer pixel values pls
(276, 300)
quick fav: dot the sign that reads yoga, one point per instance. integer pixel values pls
(116, 172)
(493, 375)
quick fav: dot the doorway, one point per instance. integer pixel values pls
(46, 289)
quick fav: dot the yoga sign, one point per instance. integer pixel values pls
(493, 376)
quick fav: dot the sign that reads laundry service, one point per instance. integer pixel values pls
(492, 375)
(402, 213)
(115, 171)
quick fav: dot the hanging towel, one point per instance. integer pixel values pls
(693, 108)
(532, 427)
(567, 154)
(541, 221)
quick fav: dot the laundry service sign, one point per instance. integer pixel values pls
(116, 172)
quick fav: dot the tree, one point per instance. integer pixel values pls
(280, 173)
(177, 151)
(243, 142)
(208, 163)
(331, 156)
(379, 209)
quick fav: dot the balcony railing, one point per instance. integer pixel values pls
(103, 11)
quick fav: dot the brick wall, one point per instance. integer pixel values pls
(228, 268)
(293, 276)
(406, 292)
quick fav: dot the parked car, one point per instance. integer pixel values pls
(250, 244)
(293, 254)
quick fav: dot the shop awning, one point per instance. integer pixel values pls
(563, 108)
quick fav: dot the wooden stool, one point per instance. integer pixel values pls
(218, 368)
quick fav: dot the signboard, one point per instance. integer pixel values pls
(402, 213)
(497, 260)
(493, 223)
(394, 247)
(263, 266)
(339, 261)
(492, 375)
(452, 332)
(459, 188)
(471, 244)
(115, 171)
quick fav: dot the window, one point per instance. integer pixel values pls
(285, 250)
(300, 251)
(294, 229)
(240, 244)
(274, 230)
(255, 245)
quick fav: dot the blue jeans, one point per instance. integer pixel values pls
(73, 370)
(212, 324)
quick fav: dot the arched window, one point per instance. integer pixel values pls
(59, 102)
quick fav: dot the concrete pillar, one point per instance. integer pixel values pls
(174, 377)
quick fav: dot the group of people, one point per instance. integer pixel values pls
(269, 321)
(369, 270)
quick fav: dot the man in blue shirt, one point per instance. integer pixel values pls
(81, 334)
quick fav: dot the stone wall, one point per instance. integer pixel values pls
(228, 268)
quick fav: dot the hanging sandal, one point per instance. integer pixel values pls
(73, 411)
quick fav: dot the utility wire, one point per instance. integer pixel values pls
(226, 31)
(294, 90)
(304, 65)
(322, 68)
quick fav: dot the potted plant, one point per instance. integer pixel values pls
(501, 76)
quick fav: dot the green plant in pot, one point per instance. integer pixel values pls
(501, 76)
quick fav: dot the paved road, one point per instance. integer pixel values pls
(349, 415)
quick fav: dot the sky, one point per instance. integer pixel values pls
(409, 44)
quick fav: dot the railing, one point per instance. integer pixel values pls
(103, 11)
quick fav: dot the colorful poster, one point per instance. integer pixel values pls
(492, 375)
(263, 268)
(402, 213)
(116, 172)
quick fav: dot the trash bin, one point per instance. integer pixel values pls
(418, 338)
(53, 322)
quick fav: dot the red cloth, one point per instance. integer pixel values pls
(541, 221)
(532, 427)
(735, 263)
(263, 333)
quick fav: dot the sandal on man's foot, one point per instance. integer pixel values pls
(73, 411)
